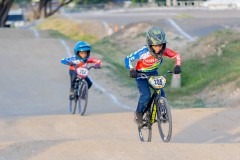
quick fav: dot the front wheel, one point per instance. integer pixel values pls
(73, 105)
(83, 98)
(145, 132)
(164, 119)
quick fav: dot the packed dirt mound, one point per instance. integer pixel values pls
(224, 94)
(210, 44)
(197, 134)
(133, 36)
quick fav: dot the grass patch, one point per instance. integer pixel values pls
(69, 28)
(211, 71)
(219, 67)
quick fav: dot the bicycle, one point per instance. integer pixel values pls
(157, 110)
(80, 91)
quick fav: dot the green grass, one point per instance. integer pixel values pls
(210, 72)
(197, 74)
(113, 56)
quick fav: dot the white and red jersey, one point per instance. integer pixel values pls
(147, 62)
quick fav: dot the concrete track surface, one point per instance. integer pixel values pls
(36, 125)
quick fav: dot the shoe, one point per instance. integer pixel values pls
(139, 119)
(71, 94)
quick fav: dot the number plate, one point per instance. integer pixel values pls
(82, 72)
(157, 81)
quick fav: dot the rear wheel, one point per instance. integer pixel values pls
(164, 119)
(83, 98)
(145, 132)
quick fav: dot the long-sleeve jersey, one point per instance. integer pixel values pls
(74, 60)
(147, 62)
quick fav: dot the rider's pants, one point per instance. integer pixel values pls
(145, 94)
(73, 76)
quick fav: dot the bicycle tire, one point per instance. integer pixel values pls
(73, 105)
(164, 119)
(83, 98)
(145, 132)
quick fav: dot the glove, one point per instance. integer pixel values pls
(133, 73)
(97, 66)
(177, 70)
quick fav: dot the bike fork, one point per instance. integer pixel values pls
(154, 112)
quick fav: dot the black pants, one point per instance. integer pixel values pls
(73, 77)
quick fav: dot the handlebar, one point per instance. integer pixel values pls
(88, 67)
(144, 76)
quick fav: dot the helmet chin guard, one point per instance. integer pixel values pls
(156, 36)
(82, 46)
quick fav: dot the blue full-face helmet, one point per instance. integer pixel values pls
(82, 46)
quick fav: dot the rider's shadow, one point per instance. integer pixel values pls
(221, 126)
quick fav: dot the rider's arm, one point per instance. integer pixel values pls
(69, 60)
(175, 55)
(95, 61)
(134, 56)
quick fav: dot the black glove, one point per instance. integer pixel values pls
(133, 73)
(177, 70)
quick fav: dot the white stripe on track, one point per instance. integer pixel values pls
(68, 52)
(114, 98)
(190, 38)
(35, 32)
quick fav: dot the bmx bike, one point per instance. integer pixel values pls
(157, 110)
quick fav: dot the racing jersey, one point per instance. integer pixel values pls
(74, 60)
(147, 62)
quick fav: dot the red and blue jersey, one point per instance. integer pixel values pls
(147, 62)
(78, 62)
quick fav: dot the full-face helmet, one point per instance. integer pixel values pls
(156, 36)
(82, 46)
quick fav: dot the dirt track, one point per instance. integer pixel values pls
(35, 123)
(197, 134)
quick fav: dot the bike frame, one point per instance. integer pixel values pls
(152, 107)
(78, 82)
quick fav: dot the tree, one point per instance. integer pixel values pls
(46, 6)
(5, 6)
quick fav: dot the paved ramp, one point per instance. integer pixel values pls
(34, 82)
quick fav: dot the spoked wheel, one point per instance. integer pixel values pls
(164, 119)
(83, 98)
(145, 132)
(73, 105)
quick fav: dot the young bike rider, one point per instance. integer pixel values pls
(80, 58)
(149, 59)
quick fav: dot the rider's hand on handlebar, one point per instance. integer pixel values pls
(177, 70)
(133, 73)
(97, 66)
